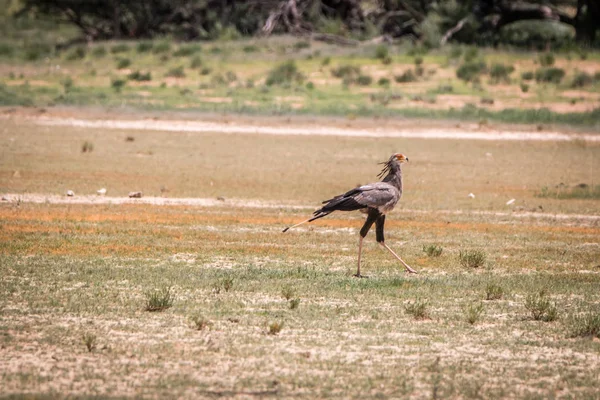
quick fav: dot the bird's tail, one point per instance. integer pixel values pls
(318, 214)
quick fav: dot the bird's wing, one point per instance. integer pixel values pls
(375, 195)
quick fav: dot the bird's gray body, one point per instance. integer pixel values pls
(374, 199)
(380, 196)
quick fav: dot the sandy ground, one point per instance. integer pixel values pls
(250, 203)
(305, 126)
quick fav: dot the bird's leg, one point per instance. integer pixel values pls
(380, 239)
(360, 240)
(371, 218)
(408, 268)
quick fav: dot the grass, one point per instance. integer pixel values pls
(540, 307)
(159, 300)
(433, 250)
(474, 312)
(472, 258)
(417, 309)
(586, 325)
(580, 191)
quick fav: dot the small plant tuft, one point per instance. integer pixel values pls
(494, 292)
(123, 63)
(87, 147)
(381, 52)
(199, 322)
(473, 312)
(470, 71)
(586, 325)
(527, 75)
(176, 72)
(407, 76)
(275, 328)
(524, 87)
(546, 59)
(139, 76)
(472, 258)
(294, 303)
(118, 84)
(582, 79)
(432, 250)
(500, 72)
(119, 48)
(417, 308)
(285, 73)
(288, 292)
(549, 74)
(159, 300)
(540, 307)
(364, 80)
(89, 340)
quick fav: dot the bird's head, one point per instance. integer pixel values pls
(401, 158)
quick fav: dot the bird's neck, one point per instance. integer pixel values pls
(394, 177)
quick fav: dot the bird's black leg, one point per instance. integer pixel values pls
(371, 218)
(379, 232)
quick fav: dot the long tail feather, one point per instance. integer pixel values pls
(317, 216)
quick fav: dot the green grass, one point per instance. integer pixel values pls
(581, 191)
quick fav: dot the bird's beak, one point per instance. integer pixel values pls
(401, 158)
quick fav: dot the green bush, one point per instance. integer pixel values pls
(346, 71)
(364, 80)
(123, 63)
(77, 53)
(176, 72)
(586, 325)
(549, 74)
(417, 308)
(251, 48)
(118, 84)
(524, 87)
(162, 47)
(546, 59)
(99, 51)
(36, 51)
(527, 75)
(501, 72)
(159, 300)
(537, 33)
(139, 76)
(541, 308)
(383, 82)
(381, 52)
(433, 250)
(303, 44)
(196, 62)
(472, 258)
(471, 54)
(144, 47)
(582, 79)
(284, 73)
(119, 48)
(470, 71)
(9, 97)
(186, 50)
(6, 50)
(407, 76)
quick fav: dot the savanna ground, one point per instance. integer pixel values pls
(258, 313)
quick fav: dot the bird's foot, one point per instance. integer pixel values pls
(411, 271)
(360, 276)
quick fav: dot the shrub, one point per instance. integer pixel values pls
(432, 250)
(470, 71)
(144, 47)
(586, 325)
(99, 51)
(6, 50)
(250, 48)
(326, 61)
(118, 84)
(364, 80)
(159, 300)
(527, 75)
(494, 292)
(288, 292)
(139, 76)
(537, 33)
(407, 76)
(230, 76)
(383, 82)
(541, 308)
(123, 63)
(275, 328)
(162, 47)
(455, 52)
(417, 308)
(549, 74)
(501, 72)
(77, 53)
(303, 44)
(310, 85)
(205, 71)
(196, 62)
(546, 59)
(582, 79)
(294, 303)
(387, 60)
(67, 84)
(185, 51)
(524, 87)
(89, 340)
(87, 147)
(119, 48)
(418, 60)
(472, 258)
(346, 71)
(471, 54)
(199, 322)
(381, 52)
(37, 51)
(473, 312)
(284, 73)
(176, 72)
